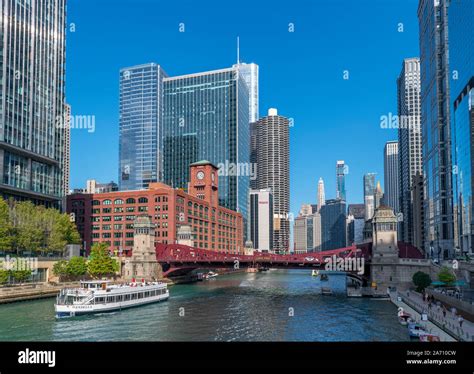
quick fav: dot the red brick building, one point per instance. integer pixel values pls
(108, 217)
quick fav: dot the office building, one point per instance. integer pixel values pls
(333, 225)
(273, 171)
(140, 126)
(206, 116)
(390, 157)
(341, 180)
(435, 122)
(32, 101)
(369, 195)
(261, 220)
(109, 217)
(461, 54)
(409, 142)
(321, 198)
(355, 229)
(307, 233)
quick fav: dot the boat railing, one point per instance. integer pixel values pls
(90, 297)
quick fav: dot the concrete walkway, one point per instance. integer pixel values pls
(429, 326)
(450, 323)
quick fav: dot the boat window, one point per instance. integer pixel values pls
(111, 299)
(100, 300)
(134, 296)
(126, 297)
(118, 298)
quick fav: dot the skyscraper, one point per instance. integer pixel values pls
(307, 233)
(356, 225)
(261, 220)
(321, 195)
(409, 143)
(273, 171)
(32, 100)
(333, 225)
(249, 73)
(369, 195)
(390, 157)
(141, 108)
(341, 180)
(206, 116)
(461, 54)
(435, 122)
(67, 151)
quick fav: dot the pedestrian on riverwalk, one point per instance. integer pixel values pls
(444, 311)
(460, 320)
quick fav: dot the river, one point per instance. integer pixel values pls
(271, 306)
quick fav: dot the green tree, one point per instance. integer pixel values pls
(4, 276)
(421, 280)
(60, 268)
(21, 275)
(100, 261)
(446, 276)
(26, 220)
(6, 228)
(76, 267)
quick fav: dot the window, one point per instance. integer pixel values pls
(130, 201)
(118, 202)
(143, 200)
(107, 202)
(95, 202)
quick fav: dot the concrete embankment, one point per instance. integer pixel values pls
(13, 294)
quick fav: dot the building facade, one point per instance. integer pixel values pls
(250, 74)
(206, 116)
(307, 233)
(390, 156)
(32, 100)
(435, 123)
(369, 195)
(333, 225)
(109, 217)
(341, 180)
(321, 198)
(355, 229)
(410, 142)
(461, 54)
(141, 116)
(273, 171)
(261, 220)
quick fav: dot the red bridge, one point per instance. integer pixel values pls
(180, 259)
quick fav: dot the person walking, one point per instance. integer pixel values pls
(444, 311)
(460, 320)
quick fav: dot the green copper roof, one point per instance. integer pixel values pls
(202, 163)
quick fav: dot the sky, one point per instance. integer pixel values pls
(330, 65)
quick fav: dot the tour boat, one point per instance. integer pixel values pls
(103, 296)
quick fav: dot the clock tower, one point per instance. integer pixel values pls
(203, 182)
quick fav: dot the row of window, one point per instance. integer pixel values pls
(128, 297)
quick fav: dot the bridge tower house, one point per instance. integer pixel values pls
(385, 259)
(143, 263)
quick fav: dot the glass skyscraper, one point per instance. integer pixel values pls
(141, 113)
(32, 100)
(369, 195)
(206, 117)
(436, 131)
(341, 180)
(461, 54)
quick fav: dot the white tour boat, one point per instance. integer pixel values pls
(103, 296)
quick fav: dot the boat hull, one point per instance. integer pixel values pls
(65, 311)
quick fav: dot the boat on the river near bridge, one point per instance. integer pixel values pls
(103, 296)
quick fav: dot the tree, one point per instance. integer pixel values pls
(100, 262)
(6, 228)
(76, 267)
(4, 276)
(60, 268)
(21, 275)
(446, 276)
(63, 233)
(421, 280)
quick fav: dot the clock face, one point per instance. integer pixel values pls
(200, 175)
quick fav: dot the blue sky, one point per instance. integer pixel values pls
(301, 73)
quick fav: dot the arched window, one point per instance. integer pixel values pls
(107, 202)
(95, 202)
(142, 200)
(118, 202)
(131, 201)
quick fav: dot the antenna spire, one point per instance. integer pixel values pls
(238, 50)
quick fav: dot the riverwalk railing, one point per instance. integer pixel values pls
(449, 326)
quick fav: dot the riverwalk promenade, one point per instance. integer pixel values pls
(32, 291)
(449, 324)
